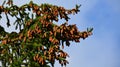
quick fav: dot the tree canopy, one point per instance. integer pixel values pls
(39, 42)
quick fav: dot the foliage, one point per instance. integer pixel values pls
(40, 41)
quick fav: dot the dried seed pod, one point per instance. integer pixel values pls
(57, 46)
(58, 30)
(50, 57)
(40, 59)
(3, 51)
(51, 33)
(45, 34)
(34, 58)
(4, 41)
(42, 47)
(50, 49)
(55, 33)
(50, 39)
(36, 8)
(84, 35)
(39, 31)
(29, 33)
(37, 56)
(43, 62)
(45, 53)
(20, 37)
(71, 31)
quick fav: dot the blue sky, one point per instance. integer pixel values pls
(102, 49)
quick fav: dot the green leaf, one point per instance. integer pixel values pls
(61, 58)
(89, 29)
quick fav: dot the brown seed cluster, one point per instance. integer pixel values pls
(41, 36)
(39, 59)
